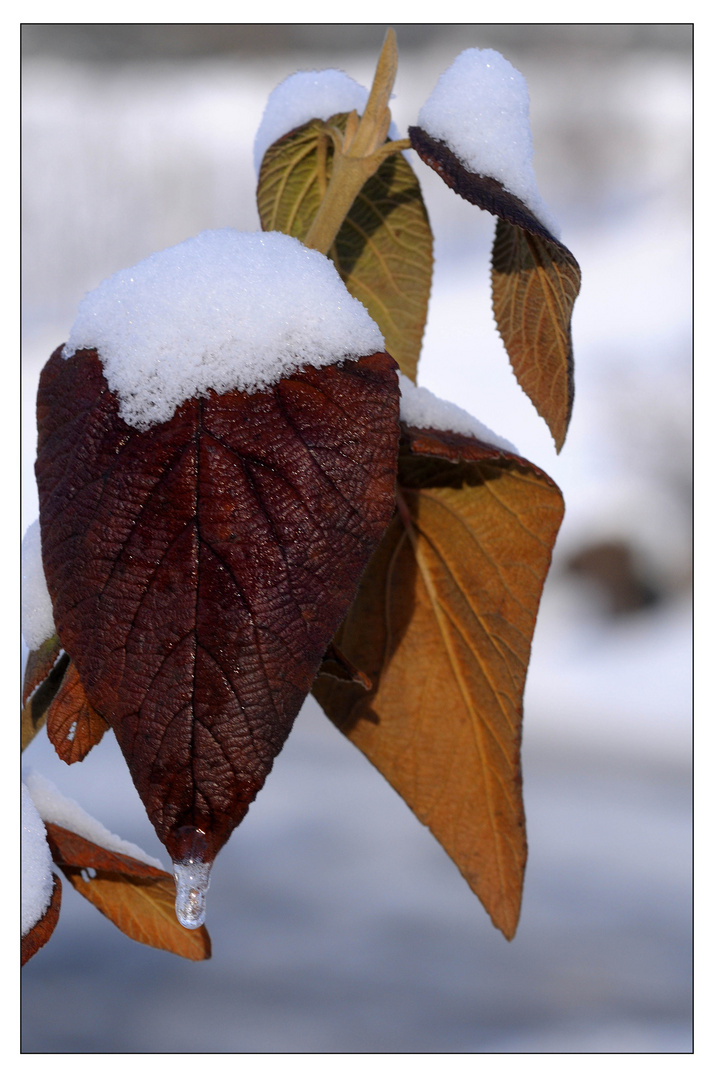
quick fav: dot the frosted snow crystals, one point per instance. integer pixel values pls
(223, 311)
(37, 619)
(304, 96)
(480, 108)
(192, 880)
(36, 865)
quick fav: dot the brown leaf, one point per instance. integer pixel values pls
(34, 711)
(73, 726)
(138, 898)
(535, 281)
(535, 284)
(442, 625)
(39, 934)
(199, 569)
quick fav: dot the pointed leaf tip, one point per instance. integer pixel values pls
(73, 726)
(199, 569)
(138, 898)
(442, 625)
(535, 282)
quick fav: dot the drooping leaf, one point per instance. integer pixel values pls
(73, 726)
(39, 934)
(199, 569)
(442, 625)
(535, 281)
(138, 898)
(44, 673)
(535, 284)
(384, 250)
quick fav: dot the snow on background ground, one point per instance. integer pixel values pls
(338, 923)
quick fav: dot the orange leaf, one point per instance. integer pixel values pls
(535, 280)
(39, 934)
(442, 624)
(138, 898)
(73, 726)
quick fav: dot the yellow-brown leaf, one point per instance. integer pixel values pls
(442, 625)
(535, 279)
(535, 284)
(384, 249)
(73, 726)
(138, 898)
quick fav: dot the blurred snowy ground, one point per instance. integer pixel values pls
(338, 923)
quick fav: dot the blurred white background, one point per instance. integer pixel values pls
(338, 923)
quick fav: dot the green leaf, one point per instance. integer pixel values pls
(383, 251)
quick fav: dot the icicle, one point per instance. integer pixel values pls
(192, 878)
(191, 875)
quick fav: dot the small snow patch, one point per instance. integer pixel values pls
(38, 623)
(222, 311)
(37, 881)
(420, 408)
(304, 96)
(481, 109)
(57, 808)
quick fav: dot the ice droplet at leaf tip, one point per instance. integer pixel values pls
(192, 881)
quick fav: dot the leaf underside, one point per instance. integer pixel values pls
(384, 249)
(138, 898)
(535, 282)
(199, 569)
(442, 626)
(39, 934)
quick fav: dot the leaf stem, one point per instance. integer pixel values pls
(359, 153)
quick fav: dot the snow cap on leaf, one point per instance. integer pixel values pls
(36, 865)
(223, 311)
(304, 96)
(480, 108)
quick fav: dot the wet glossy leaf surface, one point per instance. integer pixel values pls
(199, 569)
(442, 625)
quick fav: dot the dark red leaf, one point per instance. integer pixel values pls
(483, 191)
(39, 934)
(199, 569)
